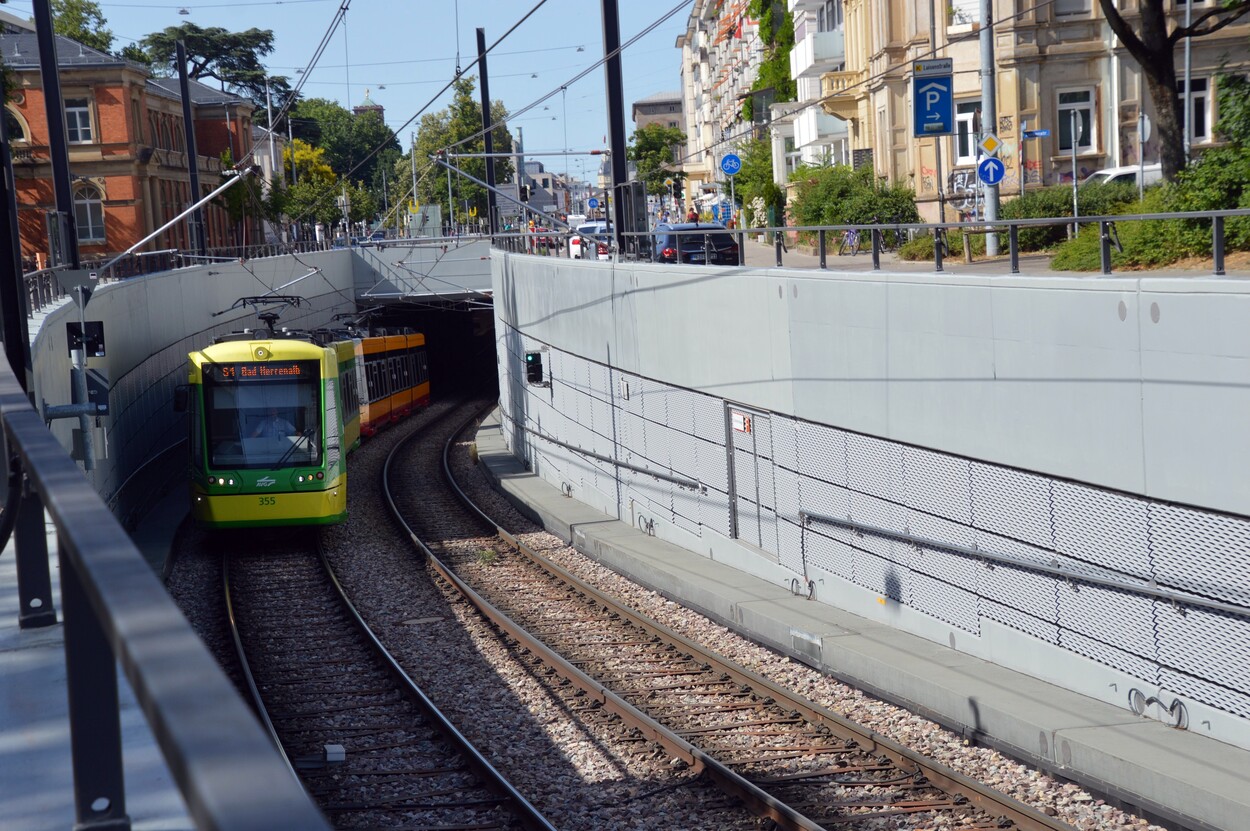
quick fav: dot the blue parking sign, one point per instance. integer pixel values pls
(934, 103)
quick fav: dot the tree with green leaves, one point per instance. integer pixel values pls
(81, 21)
(776, 27)
(347, 140)
(233, 59)
(1148, 39)
(451, 129)
(654, 150)
(755, 178)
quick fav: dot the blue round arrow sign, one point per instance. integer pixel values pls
(991, 171)
(730, 163)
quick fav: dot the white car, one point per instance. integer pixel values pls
(590, 234)
(1151, 174)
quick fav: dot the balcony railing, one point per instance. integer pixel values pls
(842, 92)
(817, 53)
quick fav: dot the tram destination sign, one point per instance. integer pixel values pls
(242, 373)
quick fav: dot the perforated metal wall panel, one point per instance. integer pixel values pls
(834, 556)
(681, 404)
(1011, 503)
(785, 450)
(823, 498)
(938, 484)
(709, 419)
(659, 445)
(1204, 553)
(955, 605)
(790, 546)
(686, 510)
(1120, 619)
(748, 516)
(871, 510)
(874, 467)
(786, 489)
(714, 511)
(822, 453)
(885, 577)
(1016, 619)
(1235, 701)
(1224, 641)
(1106, 654)
(713, 465)
(1102, 527)
(1025, 591)
(920, 524)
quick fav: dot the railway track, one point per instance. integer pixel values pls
(789, 760)
(370, 747)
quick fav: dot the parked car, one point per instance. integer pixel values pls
(378, 235)
(715, 245)
(1151, 174)
(598, 234)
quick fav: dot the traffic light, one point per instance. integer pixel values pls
(534, 367)
(525, 193)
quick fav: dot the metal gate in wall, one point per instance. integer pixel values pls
(753, 501)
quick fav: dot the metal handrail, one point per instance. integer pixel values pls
(1147, 588)
(117, 614)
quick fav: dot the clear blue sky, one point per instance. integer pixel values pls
(411, 47)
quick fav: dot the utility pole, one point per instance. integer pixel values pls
(198, 242)
(937, 140)
(66, 251)
(274, 166)
(989, 113)
(616, 116)
(489, 141)
(414, 172)
(290, 140)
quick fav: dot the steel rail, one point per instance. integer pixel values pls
(491, 778)
(758, 801)
(982, 796)
(528, 815)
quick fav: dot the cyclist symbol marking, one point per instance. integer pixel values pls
(730, 164)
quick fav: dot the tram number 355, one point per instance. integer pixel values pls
(268, 500)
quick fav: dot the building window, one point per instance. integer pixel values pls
(829, 16)
(89, 213)
(13, 127)
(1072, 8)
(967, 113)
(78, 120)
(1198, 114)
(1076, 105)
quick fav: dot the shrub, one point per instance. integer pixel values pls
(1146, 243)
(840, 195)
(1055, 201)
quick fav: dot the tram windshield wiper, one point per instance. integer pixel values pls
(305, 436)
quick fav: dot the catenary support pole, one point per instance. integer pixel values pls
(616, 114)
(989, 113)
(198, 243)
(491, 211)
(58, 138)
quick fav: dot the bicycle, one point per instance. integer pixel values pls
(850, 239)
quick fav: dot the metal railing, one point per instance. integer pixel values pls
(117, 614)
(644, 247)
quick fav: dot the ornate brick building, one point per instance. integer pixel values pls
(127, 149)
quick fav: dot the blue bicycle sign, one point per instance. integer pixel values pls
(730, 163)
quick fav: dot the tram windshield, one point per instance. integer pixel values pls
(262, 415)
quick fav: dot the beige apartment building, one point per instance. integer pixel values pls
(720, 52)
(1052, 60)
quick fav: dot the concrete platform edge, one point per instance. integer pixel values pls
(1173, 776)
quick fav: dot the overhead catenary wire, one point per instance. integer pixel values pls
(394, 133)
